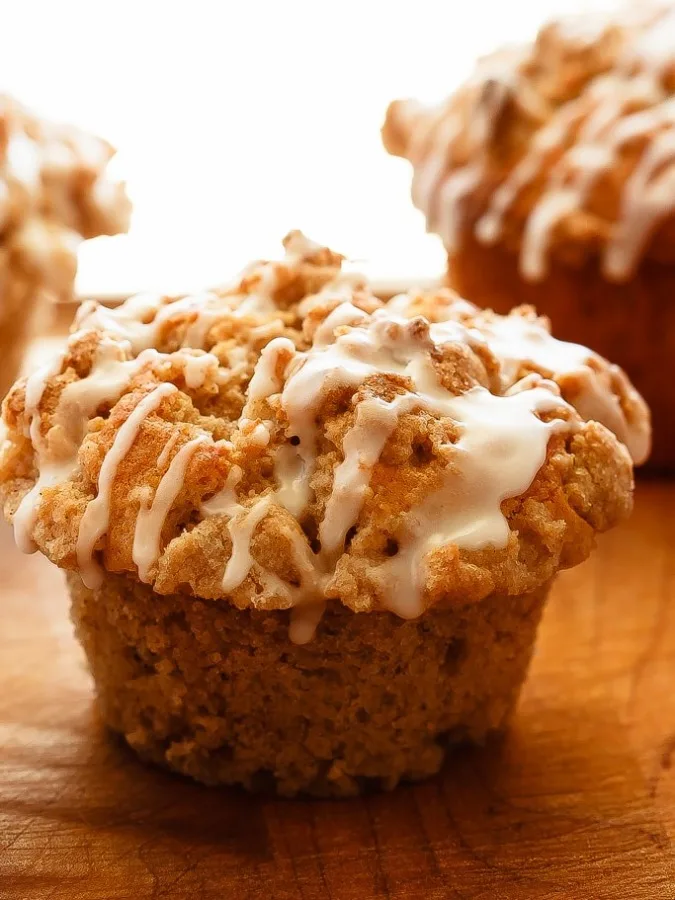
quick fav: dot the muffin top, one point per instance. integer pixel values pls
(288, 438)
(562, 149)
(54, 191)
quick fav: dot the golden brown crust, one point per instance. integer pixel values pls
(583, 486)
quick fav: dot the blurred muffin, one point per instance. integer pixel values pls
(53, 193)
(309, 536)
(550, 177)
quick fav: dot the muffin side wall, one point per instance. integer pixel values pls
(223, 696)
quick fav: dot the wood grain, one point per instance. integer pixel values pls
(577, 802)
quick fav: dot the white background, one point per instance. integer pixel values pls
(238, 121)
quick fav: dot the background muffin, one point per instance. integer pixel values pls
(309, 537)
(53, 193)
(549, 176)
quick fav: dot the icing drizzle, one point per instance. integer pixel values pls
(151, 519)
(501, 447)
(588, 382)
(94, 522)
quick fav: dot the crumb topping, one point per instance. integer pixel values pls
(288, 439)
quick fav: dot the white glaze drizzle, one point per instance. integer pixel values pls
(268, 375)
(242, 523)
(197, 369)
(259, 436)
(428, 177)
(78, 401)
(293, 491)
(388, 345)
(305, 619)
(306, 599)
(522, 341)
(25, 516)
(517, 341)
(94, 522)
(648, 199)
(23, 161)
(56, 453)
(151, 519)
(362, 447)
(502, 446)
(142, 318)
(544, 142)
(343, 314)
(167, 450)
(241, 526)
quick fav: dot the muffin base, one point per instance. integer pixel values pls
(631, 324)
(222, 695)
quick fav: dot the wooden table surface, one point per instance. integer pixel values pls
(577, 802)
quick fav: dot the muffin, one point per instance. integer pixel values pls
(549, 175)
(309, 536)
(53, 193)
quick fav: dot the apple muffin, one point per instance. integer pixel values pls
(309, 536)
